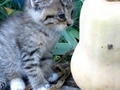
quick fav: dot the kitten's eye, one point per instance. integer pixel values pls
(61, 16)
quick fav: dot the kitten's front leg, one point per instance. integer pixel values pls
(31, 65)
(47, 67)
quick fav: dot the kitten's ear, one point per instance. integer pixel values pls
(37, 4)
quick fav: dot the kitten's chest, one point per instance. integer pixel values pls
(39, 39)
(48, 41)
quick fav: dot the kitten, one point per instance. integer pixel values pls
(27, 40)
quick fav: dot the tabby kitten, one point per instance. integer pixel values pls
(27, 40)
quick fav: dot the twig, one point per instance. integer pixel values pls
(64, 56)
(62, 80)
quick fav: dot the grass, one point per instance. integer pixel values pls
(70, 37)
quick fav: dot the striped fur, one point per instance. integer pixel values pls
(26, 42)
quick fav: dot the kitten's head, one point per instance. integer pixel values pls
(55, 14)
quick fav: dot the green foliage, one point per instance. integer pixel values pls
(70, 37)
(3, 14)
(8, 4)
(11, 4)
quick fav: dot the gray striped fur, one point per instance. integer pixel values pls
(27, 39)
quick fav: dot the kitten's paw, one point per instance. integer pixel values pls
(53, 78)
(46, 87)
(42, 88)
(17, 84)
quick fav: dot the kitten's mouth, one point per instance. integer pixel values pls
(62, 27)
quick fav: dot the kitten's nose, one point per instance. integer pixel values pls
(68, 24)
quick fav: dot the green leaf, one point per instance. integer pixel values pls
(82, 0)
(70, 39)
(6, 1)
(74, 32)
(61, 48)
(70, 44)
(3, 12)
